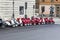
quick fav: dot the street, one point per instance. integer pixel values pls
(38, 32)
(29, 19)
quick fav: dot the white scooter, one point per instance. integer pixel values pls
(7, 22)
(14, 23)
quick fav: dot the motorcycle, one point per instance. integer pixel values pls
(41, 21)
(51, 21)
(24, 21)
(19, 22)
(46, 20)
(33, 21)
(14, 22)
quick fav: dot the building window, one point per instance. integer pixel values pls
(37, 4)
(21, 10)
(57, 7)
(43, 0)
(52, 0)
(43, 9)
(56, 0)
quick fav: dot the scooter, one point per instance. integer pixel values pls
(33, 21)
(14, 23)
(7, 23)
(19, 22)
(51, 21)
(28, 21)
(41, 21)
(37, 21)
(24, 21)
(46, 20)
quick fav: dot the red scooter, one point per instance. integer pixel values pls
(46, 20)
(33, 21)
(24, 21)
(28, 21)
(37, 20)
(19, 22)
(51, 21)
(41, 21)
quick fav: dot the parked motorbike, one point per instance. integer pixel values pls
(28, 21)
(46, 20)
(20, 22)
(51, 21)
(24, 21)
(33, 21)
(14, 22)
(41, 21)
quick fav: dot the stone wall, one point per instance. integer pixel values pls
(6, 8)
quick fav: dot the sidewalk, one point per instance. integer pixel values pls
(57, 20)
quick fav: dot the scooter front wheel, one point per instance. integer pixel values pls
(3, 26)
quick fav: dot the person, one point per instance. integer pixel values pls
(51, 11)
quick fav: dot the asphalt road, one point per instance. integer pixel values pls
(38, 32)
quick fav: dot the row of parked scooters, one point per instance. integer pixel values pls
(25, 22)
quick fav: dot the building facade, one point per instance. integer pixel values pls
(6, 8)
(29, 8)
(45, 5)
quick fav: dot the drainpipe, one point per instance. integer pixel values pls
(13, 16)
(33, 10)
(25, 9)
(39, 7)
